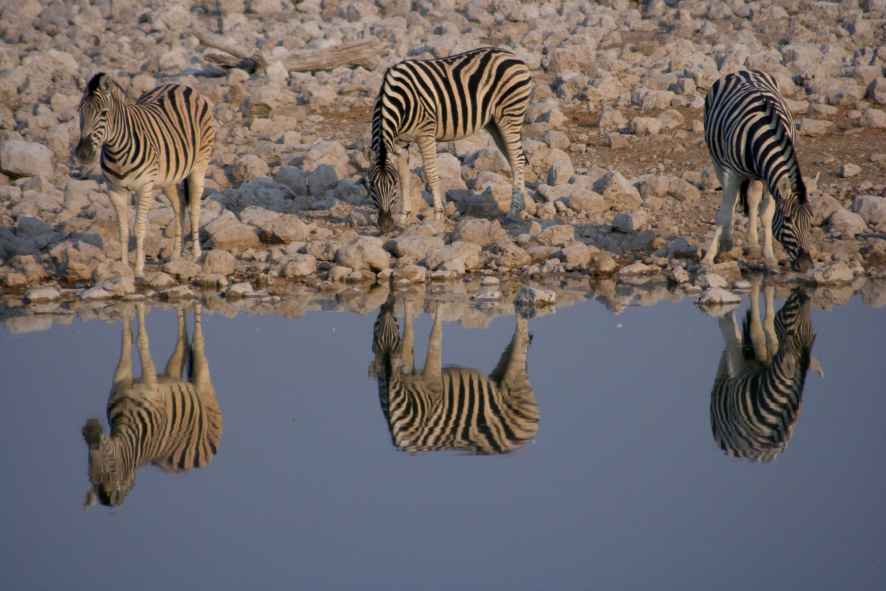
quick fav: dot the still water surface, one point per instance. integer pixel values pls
(623, 485)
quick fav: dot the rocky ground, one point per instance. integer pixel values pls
(621, 192)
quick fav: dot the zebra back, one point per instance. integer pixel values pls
(753, 414)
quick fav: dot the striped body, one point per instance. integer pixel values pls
(163, 138)
(750, 136)
(452, 408)
(166, 421)
(755, 401)
(445, 99)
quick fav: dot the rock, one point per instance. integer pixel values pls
(240, 290)
(559, 235)
(631, 222)
(560, 172)
(182, 269)
(293, 178)
(219, 262)
(602, 263)
(576, 255)
(646, 126)
(532, 297)
(509, 255)
(637, 268)
(339, 274)
(322, 179)
(872, 209)
(410, 274)
(302, 265)
(680, 248)
(613, 184)
(459, 257)
(718, 295)
(42, 294)
(95, 293)
(478, 231)
(249, 167)
(845, 224)
(228, 233)
(874, 118)
(414, 248)
(25, 159)
(179, 292)
(814, 127)
(587, 202)
(612, 120)
(709, 280)
(329, 153)
(159, 280)
(834, 274)
(683, 190)
(849, 170)
(364, 253)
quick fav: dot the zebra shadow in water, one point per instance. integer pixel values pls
(758, 389)
(451, 408)
(165, 420)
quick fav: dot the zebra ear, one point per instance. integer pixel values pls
(105, 82)
(89, 500)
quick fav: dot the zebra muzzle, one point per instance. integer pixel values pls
(85, 151)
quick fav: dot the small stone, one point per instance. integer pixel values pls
(602, 264)
(834, 274)
(240, 290)
(709, 280)
(636, 269)
(849, 170)
(159, 280)
(679, 247)
(558, 235)
(42, 294)
(718, 295)
(219, 262)
(95, 293)
(411, 274)
(533, 296)
(631, 222)
(302, 265)
(179, 292)
(182, 269)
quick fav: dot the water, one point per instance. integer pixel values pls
(622, 487)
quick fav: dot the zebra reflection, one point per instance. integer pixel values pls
(451, 408)
(165, 420)
(755, 401)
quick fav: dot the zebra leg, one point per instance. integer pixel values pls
(732, 359)
(201, 366)
(758, 339)
(171, 192)
(510, 144)
(145, 200)
(195, 199)
(432, 373)
(771, 335)
(123, 372)
(768, 213)
(407, 349)
(405, 185)
(175, 365)
(428, 146)
(725, 217)
(755, 196)
(120, 201)
(149, 372)
(511, 368)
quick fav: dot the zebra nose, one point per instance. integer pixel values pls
(803, 263)
(84, 151)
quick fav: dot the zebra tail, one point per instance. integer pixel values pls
(747, 345)
(186, 192)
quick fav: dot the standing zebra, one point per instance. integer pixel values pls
(164, 420)
(755, 401)
(750, 135)
(451, 408)
(166, 136)
(445, 99)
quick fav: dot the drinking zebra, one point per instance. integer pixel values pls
(166, 136)
(445, 99)
(750, 135)
(451, 408)
(170, 422)
(755, 401)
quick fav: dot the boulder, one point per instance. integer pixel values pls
(364, 253)
(25, 159)
(872, 209)
(558, 235)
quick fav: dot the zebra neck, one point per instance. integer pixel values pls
(121, 130)
(127, 445)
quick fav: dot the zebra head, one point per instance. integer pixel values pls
(383, 188)
(95, 106)
(110, 481)
(792, 224)
(793, 326)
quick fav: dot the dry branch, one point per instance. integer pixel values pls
(358, 53)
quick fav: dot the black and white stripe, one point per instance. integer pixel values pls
(755, 401)
(445, 99)
(452, 408)
(170, 422)
(750, 135)
(163, 138)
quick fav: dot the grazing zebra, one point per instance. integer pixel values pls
(166, 136)
(758, 388)
(451, 408)
(750, 135)
(164, 420)
(445, 99)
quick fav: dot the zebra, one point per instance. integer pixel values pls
(755, 400)
(451, 408)
(170, 422)
(750, 135)
(445, 99)
(164, 137)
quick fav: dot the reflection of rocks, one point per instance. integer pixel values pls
(758, 389)
(451, 408)
(161, 419)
